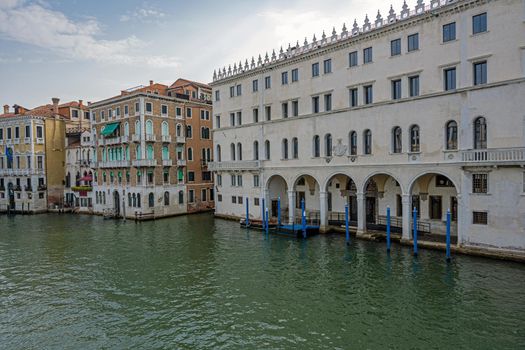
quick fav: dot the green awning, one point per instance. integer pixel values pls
(110, 128)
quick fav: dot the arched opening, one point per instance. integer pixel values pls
(432, 194)
(256, 150)
(278, 189)
(380, 192)
(151, 200)
(480, 133)
(218, 154)
(306, 188)
(341, 191)
(116, 203)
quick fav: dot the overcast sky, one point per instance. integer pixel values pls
(90, 50)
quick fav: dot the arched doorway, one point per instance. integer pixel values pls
(382, 191)
(116, 203)
(341, 191)
(11, 193)
(432, 195)
(306, 188)
(278, 190)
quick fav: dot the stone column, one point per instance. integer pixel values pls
(407, 214)
(361, 213)
(291, 207)
(142, 129)
(323, 209)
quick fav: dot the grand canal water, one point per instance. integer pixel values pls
(80, 282)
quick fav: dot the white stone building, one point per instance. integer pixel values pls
(420, 109)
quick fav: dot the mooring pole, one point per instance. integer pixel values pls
(415, 231)
(247, 222)
(263, 216)
(448, 235)
(278, 212)
(267, 221)
(347, 226)
(303, 218)
(388, 229)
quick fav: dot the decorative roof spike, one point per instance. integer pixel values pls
(289, 48)
(305, 42)
(252, 65)
(379, 20)
(405, 11)
(297, 45)
(355, 28)
(281, 50)
(274, 57)
(344, 32)
(281, 53)
(223, 71)
(246, 67)
(266, 58)
(235, 68)
(366, 26)
(420, 7)
(323, 38)
(434, 4)
(229, 70)
(240, 66)
(214, 75)
(391, 15)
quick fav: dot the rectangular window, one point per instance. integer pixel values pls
(191, 196)
(17, 132)
(396, 89)
(367, 90)
(239, 199)
(1, 134)
(188, 112)
(255, 85)
(435, 207)
(413, 85)
(480, 73)
(328, 102)
(217, 121)
(353, 97)
(28, 131)
(219, 197)
(449, 32)
(239, 118)
(327, 66)
(256, 115)
(39, 132)
(449, 77)
(219, 180)
(191, 176)
(178, 112)
(149, 107)
(267, 82)
(367, 55)
(413, 42)
(295, 75)
(232, 119)
(352, 59)
(395, 47)
(239, 90)
(479, 183)
(295, 108)
(137, 109)
(256, 202)
(479, 23)
(117, 111)
(268, 112)
(164, 110)
(126, 110)
(284, 78)
(480, 217)
(315, 104)
(217, 95)
(284, 106)
(204, 194)
(232, 91)
(399, 205)
(239, 180)
(315, 70)
(255, 180)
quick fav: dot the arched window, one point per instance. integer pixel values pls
(267, 152)
(138, 152)
(104, 197)
(367, 142)
(414, 138)
(151, 200)
(165, 153)
(149, 127)
(139, 203)
(150, 152)
(480, 133)
(190, 154)
(232, 151)
(452, 135)
(181, 197)
(166, 198)
(316, 146)
(239, 151)
(129, 200)
(397, 145)
(134, 200)
(127, 153)
(218, 154)
(189, 132)
(165, 130)
(208, 154)
(352, 140)
(178, 130)
(256, 150)
(328, 145)
(285, 148)
(126, 129)
(137, 127)
(295, 148)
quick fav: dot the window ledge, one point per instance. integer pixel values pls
(480, 194)
(480, 33)
(449, 41)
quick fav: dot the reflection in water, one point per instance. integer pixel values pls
(197, 282)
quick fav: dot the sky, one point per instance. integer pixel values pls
(90, 50)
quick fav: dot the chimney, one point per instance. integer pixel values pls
(150, 82)
(6, 109)
(80, 103)
(55, 104)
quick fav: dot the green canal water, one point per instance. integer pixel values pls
(79, 282)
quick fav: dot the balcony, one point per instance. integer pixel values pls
(112, 140)
(124, 139)
(144, 163)
(234, 165)
(27, 140)
(166, 138)
(135, 138)
(150, 138)
(181, 139)
(114, 164)
(494, 156)
(167, 162)
(181, 162)
(39, 140)
(16, 141)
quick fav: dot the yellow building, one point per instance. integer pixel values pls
(32, 153)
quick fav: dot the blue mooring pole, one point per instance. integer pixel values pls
(347, 226)
(278, 212)
(263, 216)
(303, 218)
(388, 229)
(267, 219)
(247, 212)
(415, 231)
(448, 235)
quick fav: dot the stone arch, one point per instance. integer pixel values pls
(277, 189)
(341, 190)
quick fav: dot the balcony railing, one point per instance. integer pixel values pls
(150, 138)
(114, 164)
(494, 155)
(167, 162)
(27, 140)
(181, 162)
(144, 162)
(21, 172)
(181, 139)
(235, 165)
(112, 140)
(166, 138)
(39, 140)
(124, 139)
(135, 138)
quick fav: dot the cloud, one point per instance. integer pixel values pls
(145, 14)
(32, 23)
